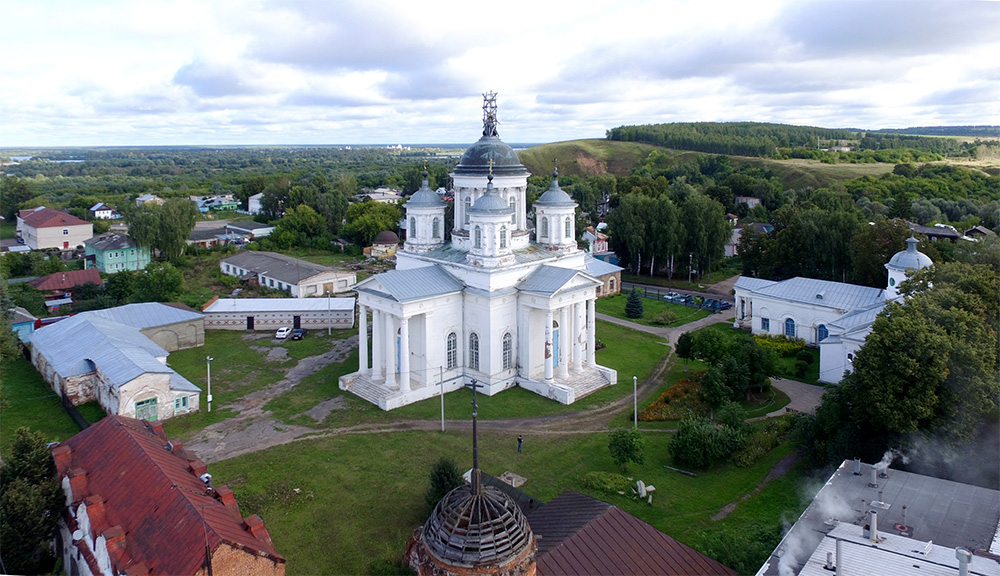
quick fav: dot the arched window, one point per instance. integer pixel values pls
(435, 228)
(508, 351)
(468, 206)
(503, 237)
(412, 232)
(789, 327)
(566, 228)
(822, 333)
(545, 227)
(452, 350)
(474, 351)
(479, 238)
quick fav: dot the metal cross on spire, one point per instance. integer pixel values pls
(476, 483)
(490, 114)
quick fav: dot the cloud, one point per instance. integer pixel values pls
(215, 81)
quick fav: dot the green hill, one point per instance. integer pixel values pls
(591, 157)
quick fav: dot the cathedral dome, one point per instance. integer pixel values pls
(477, 529)
(425, 197)
(476, 159)
(910, 258)
(555, 196)
(490, 202)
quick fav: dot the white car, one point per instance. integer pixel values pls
(283, 332)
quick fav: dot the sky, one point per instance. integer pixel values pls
(257, 72)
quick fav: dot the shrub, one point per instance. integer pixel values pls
(699, 443)
(764, 436)
(800, 368)
(445, 476)
(626, 445)
(804, 356)
(782, 344)
(665, 318)
(677, 402)
(606, 482)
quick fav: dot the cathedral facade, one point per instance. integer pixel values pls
(492, 304)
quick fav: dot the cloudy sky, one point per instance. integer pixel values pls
(106, 72)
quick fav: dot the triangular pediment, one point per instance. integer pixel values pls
(552, 280)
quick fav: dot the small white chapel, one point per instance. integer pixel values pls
(492, 305)
(835, 316)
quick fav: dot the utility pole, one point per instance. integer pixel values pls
(208, 365)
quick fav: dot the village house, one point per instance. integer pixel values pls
(249, 229)
(102, 211)
(300, 278)
(139, 504)
(58, 287)
(118, 357)
(43, 228)
(151, 198)
(253, 203)
(113, 252)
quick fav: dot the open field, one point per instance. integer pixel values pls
(26, 400)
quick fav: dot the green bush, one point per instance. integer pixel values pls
(800, 368)
(804, 356)
(665, 318)
(606, 482)
(783, 345)
(700, 444)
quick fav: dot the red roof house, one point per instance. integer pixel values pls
(62, 283)
(47, 228)
(139, 504)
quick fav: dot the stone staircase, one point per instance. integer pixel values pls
(584, 383)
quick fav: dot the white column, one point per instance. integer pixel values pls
(577, 336)
(565, 341)
(548, 345)
(362, 340)
(404, 354)
(390, 352)
(378, 341)
(591, 333)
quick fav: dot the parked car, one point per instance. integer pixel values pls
(723, 305)
(686, 299)
(283, 332)
(299, 333)
(671, 296)
(710, 304)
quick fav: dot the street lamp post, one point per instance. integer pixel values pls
(635, 402)
(329, 320)
(208, 365)
(690, 265)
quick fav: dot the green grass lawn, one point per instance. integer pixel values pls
(336, 505)
(7, 231)
(630, 352)
(786, 367)
(680, 283)
(26, 400)
(615, 306)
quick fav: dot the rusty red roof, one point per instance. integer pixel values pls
(157, 498)
(67, 280)
(582, 535)
(49, 218)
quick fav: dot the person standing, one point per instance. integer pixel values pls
(520, 443)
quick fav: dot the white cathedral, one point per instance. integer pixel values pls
(834, 316)
(492, 305)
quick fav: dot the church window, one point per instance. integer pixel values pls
(512, 209)
(545, 227)
(508, 351)
(850, 357)
(566, 228)
(789, 327)
(436, 228)
(474, 351)
(822, 333)
(468, 206)
(412, 232)
(452, 350)
(503, 237)
(479, 237)
(892, 281)
(765, 324)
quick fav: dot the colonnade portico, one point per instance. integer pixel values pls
(385, 362)
(577, 339)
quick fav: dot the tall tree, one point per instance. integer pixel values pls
(13, 191)
(872, 246)
(30, 503)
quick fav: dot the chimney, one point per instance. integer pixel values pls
(874, 535)
(255, 525)
(227, 498)
(63, 455)
(157, 428)
(197, 467)
(77, 483)
(964, 560)
(96, 512)
(873, 483)
(839, 559)
(115, 540)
